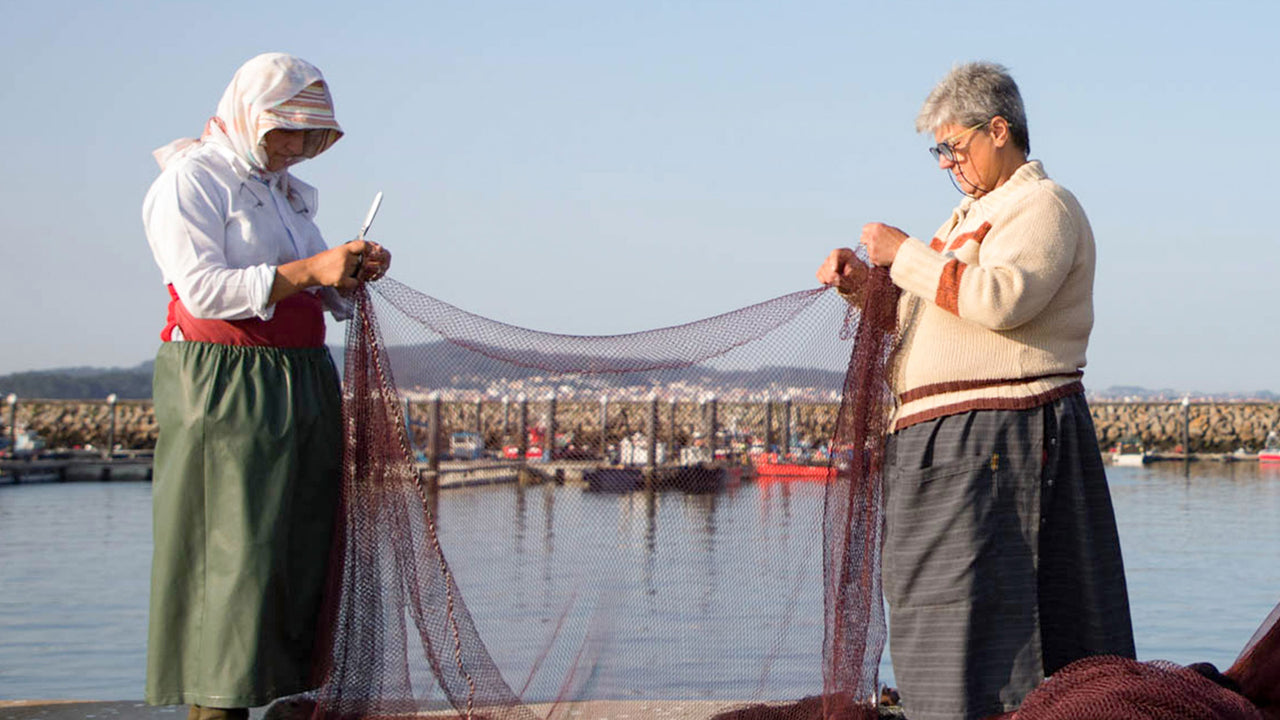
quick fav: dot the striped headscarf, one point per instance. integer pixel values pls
(310, 110)
(270, 91)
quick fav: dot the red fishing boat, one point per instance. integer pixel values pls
(770, 467)
(1270, 453)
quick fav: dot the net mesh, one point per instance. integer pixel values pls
(1115, 688)
(636, 600)
(693, 529)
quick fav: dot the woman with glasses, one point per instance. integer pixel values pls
(247, 399)
(1001, 558)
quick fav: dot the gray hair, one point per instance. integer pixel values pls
(974, 93)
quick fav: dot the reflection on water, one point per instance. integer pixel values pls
(1201, 543)
(74, 567)
(648, 577)
(682, 595)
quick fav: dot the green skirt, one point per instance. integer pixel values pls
(246, 481)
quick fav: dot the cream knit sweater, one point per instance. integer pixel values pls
(997, 307)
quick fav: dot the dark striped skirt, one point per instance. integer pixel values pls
(1001, 558)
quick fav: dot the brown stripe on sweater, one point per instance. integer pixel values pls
(937, 244)
(948, 297)
(975, 235)
(925, 391)
(1021, 403)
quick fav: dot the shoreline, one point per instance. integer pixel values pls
(459, 474)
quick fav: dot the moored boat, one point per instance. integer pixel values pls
(1270, 453)
(693, 479)
(1130, 454)
(770, 466)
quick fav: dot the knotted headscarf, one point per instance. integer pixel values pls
(271, 91)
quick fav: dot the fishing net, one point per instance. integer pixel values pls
(694, 525)
(679, 523)
(1114, 688)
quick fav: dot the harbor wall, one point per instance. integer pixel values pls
(80, 423)
(1204, 427)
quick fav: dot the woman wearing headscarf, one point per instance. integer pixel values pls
(1001, 557)
(246, 395)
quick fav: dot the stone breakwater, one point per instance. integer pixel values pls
(1208, 427)
(78, 423)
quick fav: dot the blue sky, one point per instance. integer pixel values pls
(606, 167)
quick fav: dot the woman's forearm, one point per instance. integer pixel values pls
(342, 268)
(291, 279)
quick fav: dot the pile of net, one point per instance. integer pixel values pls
(1112, 688)
(684, 522)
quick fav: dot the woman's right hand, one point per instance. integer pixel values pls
(336, 267)
(377, 260)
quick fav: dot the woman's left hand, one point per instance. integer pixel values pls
(882, 242)
(376, 262)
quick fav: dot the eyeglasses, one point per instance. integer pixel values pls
(947, 149)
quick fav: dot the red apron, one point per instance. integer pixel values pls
(298, 322)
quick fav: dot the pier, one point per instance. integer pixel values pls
(73, 466)
(593, 474)
(81, 466)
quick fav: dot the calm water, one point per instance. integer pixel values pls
(1201, 549)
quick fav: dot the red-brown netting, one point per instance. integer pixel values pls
(642, 614)
(1113, 688)
(691, 527)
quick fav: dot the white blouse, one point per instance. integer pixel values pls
(218, 231)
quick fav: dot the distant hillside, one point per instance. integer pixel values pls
(80, 383)
(433, 365)
(443, 365)
(1134, 393)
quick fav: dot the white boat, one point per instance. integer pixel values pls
(465, 446)
(1130, 454)
(1130, 459)
(25, 440)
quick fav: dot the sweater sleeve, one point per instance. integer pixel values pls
(1023, 260)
